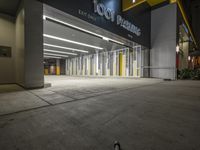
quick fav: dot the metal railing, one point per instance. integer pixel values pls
(151, 68)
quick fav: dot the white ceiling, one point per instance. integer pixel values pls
(61, 31)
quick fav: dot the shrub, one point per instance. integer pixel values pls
(197, 74)
(189, 74)
(185, 74)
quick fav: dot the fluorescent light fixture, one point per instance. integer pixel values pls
(67, 48)
(49, 54)
(44, 17)
(52, 57)
(70, 41)
(59, 52)
(105, 38)
(78, 28)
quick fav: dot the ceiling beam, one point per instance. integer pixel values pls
(128, 4)
(155, 2)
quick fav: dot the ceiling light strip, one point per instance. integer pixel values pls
(67, 48)
(70, 41)
(50, 54)
(59, 52)
(81, 29)
(52, 57)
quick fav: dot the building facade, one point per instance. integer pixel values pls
(93, 38)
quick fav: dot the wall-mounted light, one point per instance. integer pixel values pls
(177, 49)
(189, 58)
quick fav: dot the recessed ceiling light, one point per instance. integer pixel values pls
(60, 52)
(78, 28)
(49, 54)
(70, 41)
(67, 48)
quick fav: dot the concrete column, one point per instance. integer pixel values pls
(71, 67)
(127, 62)
(20, 47)
(106, 64)
(97, 63)
(33, 57)
(80, 65)
(57, 66)
(66, 67)
(101, 64)
(114, 63)
(124, 63)
(163, 42)
(117, 64)
(121, 64)
(131, 63)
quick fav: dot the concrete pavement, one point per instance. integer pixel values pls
(64, 89)
(144, 114)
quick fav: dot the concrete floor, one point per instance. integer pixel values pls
(90, 113)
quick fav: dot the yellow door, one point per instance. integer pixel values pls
(120, 64)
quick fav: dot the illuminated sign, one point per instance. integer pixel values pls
(110, 14)
(103, 11)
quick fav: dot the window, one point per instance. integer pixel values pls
(5, 51)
